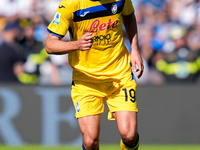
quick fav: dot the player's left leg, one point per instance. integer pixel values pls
(90, 129)
(89, 104)
(127, 125)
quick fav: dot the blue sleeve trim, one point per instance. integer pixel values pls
(60, 36)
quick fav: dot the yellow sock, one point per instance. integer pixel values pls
(134, 147)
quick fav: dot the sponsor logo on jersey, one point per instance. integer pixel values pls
(77, 107)
(84, 14)
(56, 19)
(101, 40)
(61, 6)
(114, 8)
(98, 26)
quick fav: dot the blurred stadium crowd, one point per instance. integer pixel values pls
(169, 40)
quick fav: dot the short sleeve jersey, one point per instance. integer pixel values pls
(108, 57)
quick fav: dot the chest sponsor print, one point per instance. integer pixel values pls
(96, 25)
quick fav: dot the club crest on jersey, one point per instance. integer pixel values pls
(77, 107)
(114, 8)
(56, 19)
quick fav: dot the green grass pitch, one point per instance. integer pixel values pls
(103, 147)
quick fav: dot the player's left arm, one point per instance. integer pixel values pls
(131, 29)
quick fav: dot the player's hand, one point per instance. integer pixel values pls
(137, 63)
(85, 42)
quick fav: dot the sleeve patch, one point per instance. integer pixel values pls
(56, 19)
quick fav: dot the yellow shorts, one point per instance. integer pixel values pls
(88, 97)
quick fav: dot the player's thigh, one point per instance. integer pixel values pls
(90, 127)
(126, 122)
(87, 100)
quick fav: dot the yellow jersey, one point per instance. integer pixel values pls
(108, 59)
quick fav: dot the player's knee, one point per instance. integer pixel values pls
(130, 137)
(91, 143)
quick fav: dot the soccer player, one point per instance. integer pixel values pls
(101, 64)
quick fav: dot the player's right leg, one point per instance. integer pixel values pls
(90, 128)
(89, 104)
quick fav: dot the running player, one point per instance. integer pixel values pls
(101, 64)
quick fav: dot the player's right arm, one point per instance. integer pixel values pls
(58, 28)
(55, 45)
